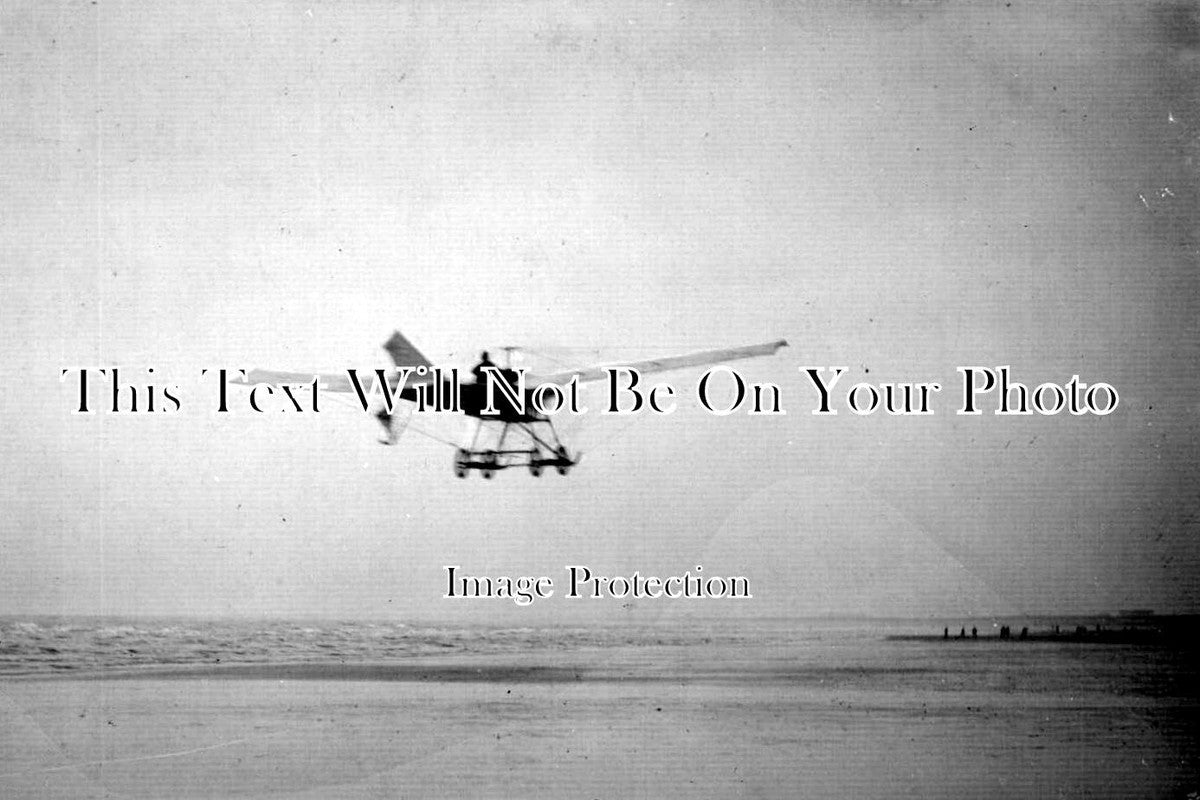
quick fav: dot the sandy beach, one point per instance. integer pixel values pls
(590, 724)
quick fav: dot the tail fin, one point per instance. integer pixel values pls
(403, 353)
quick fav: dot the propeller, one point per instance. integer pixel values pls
(508, 351)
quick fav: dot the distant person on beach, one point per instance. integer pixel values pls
(484, 361)
(962, 633)
(974, 632)
(946, 633)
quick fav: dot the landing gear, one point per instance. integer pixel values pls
(547, 451)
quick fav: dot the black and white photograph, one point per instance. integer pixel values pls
(421, 399)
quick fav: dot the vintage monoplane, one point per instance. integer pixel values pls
(511, 431)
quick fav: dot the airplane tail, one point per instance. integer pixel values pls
(403, 353)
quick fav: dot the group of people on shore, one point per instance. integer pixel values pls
(1005, 632)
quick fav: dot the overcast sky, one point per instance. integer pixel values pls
(898, 188)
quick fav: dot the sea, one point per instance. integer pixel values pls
(883, 654)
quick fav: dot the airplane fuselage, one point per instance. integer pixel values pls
(473, 397)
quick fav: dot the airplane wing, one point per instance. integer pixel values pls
(334, 382)
(701, 358)
(402, 351)
(328, 381)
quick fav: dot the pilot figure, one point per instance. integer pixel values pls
(484, 361)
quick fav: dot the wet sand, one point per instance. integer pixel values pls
(562, 726)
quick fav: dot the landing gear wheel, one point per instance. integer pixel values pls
(460, 463)
(487, 474)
